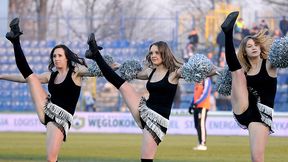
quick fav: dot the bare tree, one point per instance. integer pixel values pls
(280, 6)
(31, 8)
(41, 12)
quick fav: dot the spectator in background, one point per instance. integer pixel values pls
(245, 31)
(89, 101)
(239, 25)
(255, 29)
(193, 39)
(220, 40)
(200, 106)
(283, 25)
(264, 26)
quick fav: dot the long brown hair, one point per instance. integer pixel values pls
(261, 39)
(169, 60)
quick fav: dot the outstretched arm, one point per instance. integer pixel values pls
(44, 77)
(144, 74)
(13, 77)
(216, 70)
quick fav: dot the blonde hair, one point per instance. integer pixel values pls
(169, 60)
(261, 39)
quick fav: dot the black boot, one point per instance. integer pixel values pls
(15, 30)
(93, 47)
(230, 54)
(94, 54)
(229, 22)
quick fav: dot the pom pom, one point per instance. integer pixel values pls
(95, 70)
(129, 69)
(224, 82)
(278, 54)
(197, 68)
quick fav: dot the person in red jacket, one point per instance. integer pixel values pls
(200, 106)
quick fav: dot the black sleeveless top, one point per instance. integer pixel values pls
(161, 95)
(263, 86)
(65, 94)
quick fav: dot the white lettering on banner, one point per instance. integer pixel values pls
(26, 122)
(111, 123)
(124, 123)
(281, 126)
(3, 122)
(222, 124)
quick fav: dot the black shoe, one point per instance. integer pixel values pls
(89, 54)
(14, 30)
(93, 47)
(229, 22)
(92, 42)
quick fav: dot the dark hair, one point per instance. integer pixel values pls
(71, 57)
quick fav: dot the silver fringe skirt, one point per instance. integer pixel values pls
(266, 116)
(153, 122)
(60, 117)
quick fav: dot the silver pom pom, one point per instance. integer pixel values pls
(224, 82)
(129, 69)
(197, 68)
(95, 70)
(278, 54)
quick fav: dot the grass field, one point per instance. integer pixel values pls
(30, 147)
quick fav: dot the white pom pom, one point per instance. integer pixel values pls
(224, 82)
(129, 69)
(278, 54)
(197, 68)
(95, 70)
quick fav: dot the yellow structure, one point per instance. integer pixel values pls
(215, 18)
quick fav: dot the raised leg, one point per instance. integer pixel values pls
(130, 96)
(239, 93)
(37, 91)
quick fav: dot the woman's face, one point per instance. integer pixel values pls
(155, 55)
(252, 49)
(59, 58)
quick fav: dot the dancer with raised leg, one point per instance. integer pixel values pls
(151, 115)
(251, 71)
(55, 110)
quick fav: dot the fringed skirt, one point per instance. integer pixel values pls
(262, 113)
(153, 122)
(60, 117)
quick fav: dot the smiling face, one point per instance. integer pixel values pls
(59, 58)
(155, 55)
(252, 49)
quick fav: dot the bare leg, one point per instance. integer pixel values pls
(37, 92)
(132, 99)
(258, 137)
(239, 92)
(53, 142)
(149, 146)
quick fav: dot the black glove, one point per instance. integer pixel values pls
(192, 106)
